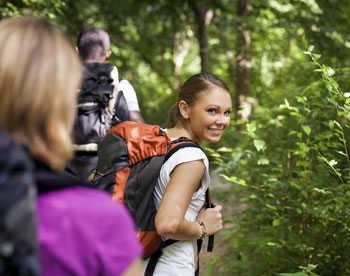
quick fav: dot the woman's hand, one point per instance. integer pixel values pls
(212, 219)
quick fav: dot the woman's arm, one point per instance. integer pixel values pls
(170, 221)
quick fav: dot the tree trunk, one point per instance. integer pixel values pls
(181, 47)
(203, 19)
(243, 107)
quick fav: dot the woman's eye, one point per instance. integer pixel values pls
(211, 111)
(228, 112)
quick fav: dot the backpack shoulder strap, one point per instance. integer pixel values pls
(156, 256)
(119, 107)
(182, 142)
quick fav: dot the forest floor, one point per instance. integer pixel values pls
(220, 245)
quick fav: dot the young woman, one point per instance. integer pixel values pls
(202, 113)
(81, 231)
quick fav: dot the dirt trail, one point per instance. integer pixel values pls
(219, 250)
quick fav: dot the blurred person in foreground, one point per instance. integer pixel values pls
(81, 231)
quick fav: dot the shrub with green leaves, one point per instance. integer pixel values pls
(293, 176)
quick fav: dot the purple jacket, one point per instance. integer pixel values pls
(83, 232)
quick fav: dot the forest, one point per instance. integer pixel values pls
(284, 162)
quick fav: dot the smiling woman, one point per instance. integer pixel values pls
(210, 116)
(201, 114)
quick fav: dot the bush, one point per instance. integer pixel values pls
(292, 171)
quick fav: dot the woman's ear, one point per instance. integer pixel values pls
(184, 109)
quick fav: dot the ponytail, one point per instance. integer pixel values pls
(173, 117)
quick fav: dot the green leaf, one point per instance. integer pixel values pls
(340, 152)
(294, 274)
(307, 130)
(271, 207)
(51, 15)
(317, 56)
(329, 71)
(292, 132)
(310, 267)
(260, 145)
(240, 122)
(251, 127)
(295, 185)
(337, 123)
(225, 149)
(286, 103)
(263, 161)
(303, 147)
(225, 177)
(296, 114)
(334, 84)
(320, 191)
(331, 100)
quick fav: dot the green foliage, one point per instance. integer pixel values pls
(42, 8)
(296, 187)
(147, 38)
(306, 271)
(288, 173)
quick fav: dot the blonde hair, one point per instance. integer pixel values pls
(39, 75)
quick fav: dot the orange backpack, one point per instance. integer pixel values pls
(130, 157)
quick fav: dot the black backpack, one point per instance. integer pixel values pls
(98, 110)
(18, 243)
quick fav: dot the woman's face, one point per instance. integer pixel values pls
(210, 114)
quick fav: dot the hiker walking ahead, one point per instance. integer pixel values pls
(202, 113)
(103, 100)
(93, 46)
(81, 231)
